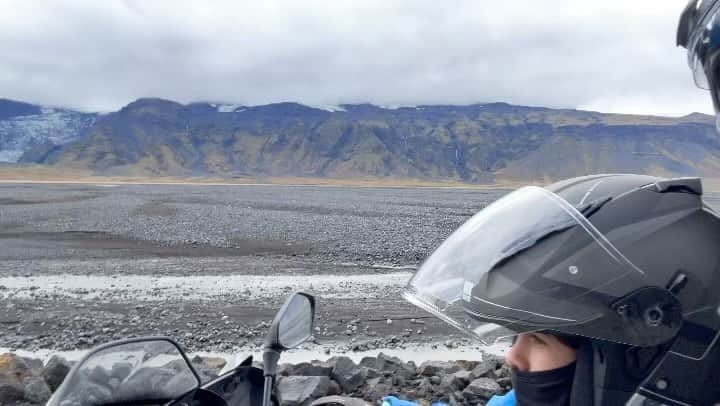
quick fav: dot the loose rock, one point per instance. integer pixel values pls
(301, 390)
(11, 393)
(482, 388)
(430, 368)
(348, 374)
(13, 368)
(55, 371)
(485, 369)
(311, 369)
(36, 390)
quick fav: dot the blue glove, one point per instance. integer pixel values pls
(394, 401)
(499, 400)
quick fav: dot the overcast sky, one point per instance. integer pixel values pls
(610, 55)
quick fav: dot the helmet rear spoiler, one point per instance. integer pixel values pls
(687, 185)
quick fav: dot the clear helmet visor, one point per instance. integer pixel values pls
(703, 58)
(529, 261)
(698, 71)
(703, 43)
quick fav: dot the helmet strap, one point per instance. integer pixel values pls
(618, 370)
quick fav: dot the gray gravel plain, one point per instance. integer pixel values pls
(333, 223)
(185, 231)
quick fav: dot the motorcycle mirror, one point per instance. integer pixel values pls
(292, 326)
(141, 370)
(293, 323)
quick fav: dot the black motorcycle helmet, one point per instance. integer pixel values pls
(699, 33)
(629, 263)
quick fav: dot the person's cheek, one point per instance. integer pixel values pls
(548, 356)
(541, 357)
(545, 359)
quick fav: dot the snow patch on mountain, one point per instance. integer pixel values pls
(327, 107)
(396, 106)
(227, 108)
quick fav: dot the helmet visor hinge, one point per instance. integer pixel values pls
(651, 316)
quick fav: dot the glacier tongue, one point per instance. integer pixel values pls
(56, 126)
(10, 155)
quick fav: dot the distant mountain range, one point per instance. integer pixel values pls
(479, 143)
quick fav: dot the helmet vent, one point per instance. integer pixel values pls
(589, 209)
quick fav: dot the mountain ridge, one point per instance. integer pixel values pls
(478, 143)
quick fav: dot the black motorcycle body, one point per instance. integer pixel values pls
(156, 371)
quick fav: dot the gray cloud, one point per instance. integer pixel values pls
(615, 56)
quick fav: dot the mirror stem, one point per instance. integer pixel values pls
(267, 390)
(270, 361)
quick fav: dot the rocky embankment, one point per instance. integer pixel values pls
(25, 381)
(453, 382)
